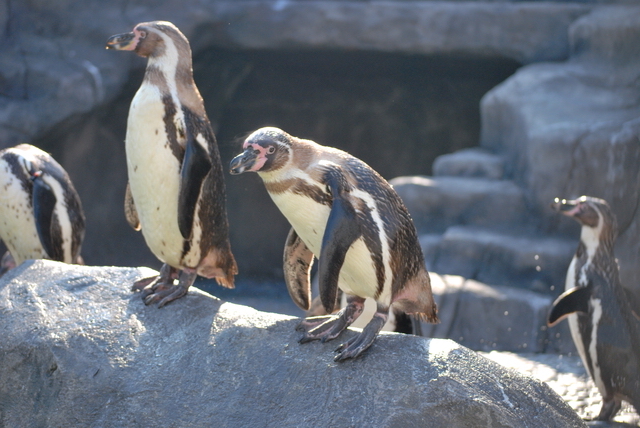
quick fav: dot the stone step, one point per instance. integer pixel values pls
(534, 262)
(495, 318)
(437, 203)
(474, 162)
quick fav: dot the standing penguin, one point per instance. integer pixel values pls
(176, 191)
(41, 215)
(603, 326)
(348, 216)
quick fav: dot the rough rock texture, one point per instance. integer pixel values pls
(490, 317)
(571, 128)
(79, 349)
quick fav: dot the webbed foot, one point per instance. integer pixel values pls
(329, 327)
(162, 288)
(358, 344)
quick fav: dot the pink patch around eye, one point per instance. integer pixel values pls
(261, 158)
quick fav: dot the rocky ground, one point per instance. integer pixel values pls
(566, 375)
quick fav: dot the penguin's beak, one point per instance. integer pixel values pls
(122, 42)
(563, 206)
(243, 162)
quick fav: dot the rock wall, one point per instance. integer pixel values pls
(61, 90)
(414, 70)
(572, 128)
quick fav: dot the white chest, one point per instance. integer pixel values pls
(309, 219)
(17, 225)
(154, 174)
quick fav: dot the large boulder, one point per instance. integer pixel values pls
(79, 349)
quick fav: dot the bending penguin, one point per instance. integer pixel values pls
(176, 192)
(41, 214)
(602, 323)
(348, 216)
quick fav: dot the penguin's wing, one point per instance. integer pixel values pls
(44, 202)
(342, 230)
(297, 261)
(196, 164)
(575, 299)
(130, 211)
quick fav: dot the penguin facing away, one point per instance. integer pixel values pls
(176, 192)
(603, 325)
(41, 214)
(348, 216)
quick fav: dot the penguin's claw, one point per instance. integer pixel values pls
(166, 295)
(141, 284)
(355, 346)
(326, 331)
(310, 323)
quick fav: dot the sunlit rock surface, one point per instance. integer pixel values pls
(79, 349)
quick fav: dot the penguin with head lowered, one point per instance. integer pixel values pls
(348, 216)
(603, 325)
(41, 214)
(176, 192)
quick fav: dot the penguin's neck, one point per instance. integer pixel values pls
(590, 238)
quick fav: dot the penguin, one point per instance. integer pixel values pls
(345, 214)
(176, 191)
(41, 214)
(602, 323)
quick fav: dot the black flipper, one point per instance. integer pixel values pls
(196, 164)
(573, 300)
(297, 262)
(341, 231)
(44, 202)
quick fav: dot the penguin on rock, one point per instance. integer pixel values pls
(41, 214)
(176, 192)
(348, 216)
(604, 327)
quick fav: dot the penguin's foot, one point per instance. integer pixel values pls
(608, 410)
(310, 323)
(329, 327)
(166, 292)
(358, 344)
(146, 285)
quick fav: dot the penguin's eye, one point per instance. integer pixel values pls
(271, 149)
(142, 34)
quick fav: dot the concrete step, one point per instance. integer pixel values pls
(535, 263)
(495, 318)
(437, 203)
(474, 162)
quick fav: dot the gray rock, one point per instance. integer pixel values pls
(79, 349)
(494, 318)
(524, 32)
(571, 128)
(438, 203)
(526, 261)
(473, 162)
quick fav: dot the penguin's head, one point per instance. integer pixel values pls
(590, 212)
(265, 150)
(149, 39)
